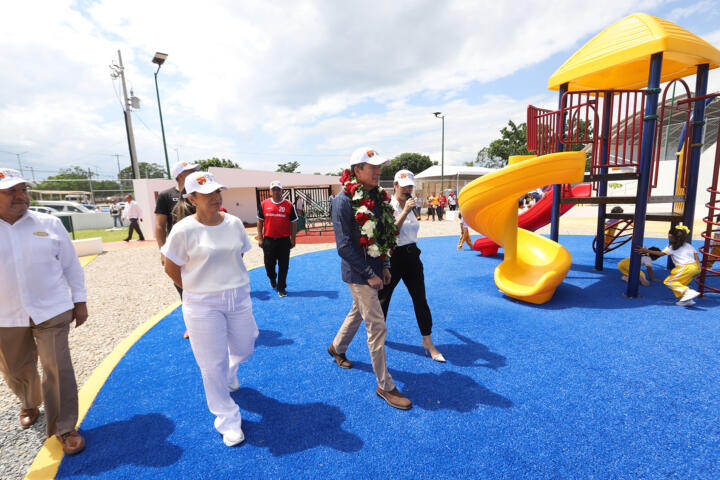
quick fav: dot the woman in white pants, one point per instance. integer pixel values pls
(203, 256)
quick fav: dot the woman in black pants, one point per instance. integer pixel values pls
(405, 263)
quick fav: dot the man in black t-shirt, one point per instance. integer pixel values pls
(166, 201)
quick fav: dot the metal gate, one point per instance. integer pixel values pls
(315, 212)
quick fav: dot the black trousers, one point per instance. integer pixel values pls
(440, 212)
(405, 265)
(134, 226)
(277, 251)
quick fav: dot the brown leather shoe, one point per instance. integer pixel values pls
(394, 398)
(72, 442)
(340, 358)
(28, 416)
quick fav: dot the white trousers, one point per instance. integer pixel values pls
(222, 334)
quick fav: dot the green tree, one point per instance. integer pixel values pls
(147, 170)
(415, 162)
(512, 141)
(216, 162)
(336, 174)
(76, 178)
(289, 167)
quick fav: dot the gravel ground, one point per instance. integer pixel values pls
(119, 300)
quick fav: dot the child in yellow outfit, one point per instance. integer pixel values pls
(464, 234)
(687, 265)
(645, 261)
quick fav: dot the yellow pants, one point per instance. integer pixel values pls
(624, 267)
(464, 237)
(680, 277)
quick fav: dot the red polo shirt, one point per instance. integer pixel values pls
(277, 218)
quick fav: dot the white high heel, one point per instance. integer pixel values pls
(438, 357)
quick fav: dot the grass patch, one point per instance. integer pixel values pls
(107, 236)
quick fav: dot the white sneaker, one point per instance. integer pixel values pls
(684, 303)
(233, 438)
(235, 385)
(690, 294)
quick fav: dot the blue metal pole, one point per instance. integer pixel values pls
(643, 188)
(701, 80)
(557, 189)
(602, 186)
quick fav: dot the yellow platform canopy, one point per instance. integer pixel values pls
(619, 56)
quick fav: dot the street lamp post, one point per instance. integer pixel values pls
(442, 152)
(159, 59)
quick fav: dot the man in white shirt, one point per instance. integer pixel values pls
(38, 267)
(133, 213)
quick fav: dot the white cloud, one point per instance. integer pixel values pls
(310, 76)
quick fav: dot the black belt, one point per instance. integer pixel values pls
(407, 248)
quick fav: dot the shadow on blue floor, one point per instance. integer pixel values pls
(588, 385)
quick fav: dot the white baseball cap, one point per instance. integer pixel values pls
(180, 167)
(9, 178)
(367, 155)
(201, 182)
(405, 178)
(274, 184)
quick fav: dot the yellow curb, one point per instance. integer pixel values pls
(47, 461)
(87, 259)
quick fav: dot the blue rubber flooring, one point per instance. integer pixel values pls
(589, 385)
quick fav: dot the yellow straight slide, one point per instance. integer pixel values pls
(534, 265)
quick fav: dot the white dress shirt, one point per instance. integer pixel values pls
(409, 229)
(37, 266)
(132, 210)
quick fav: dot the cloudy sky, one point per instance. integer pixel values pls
(268, 82)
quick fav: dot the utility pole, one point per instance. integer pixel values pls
(119, 71)
(117, 159)
(33, 173)
(92, 192)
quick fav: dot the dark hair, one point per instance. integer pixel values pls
(359, 165)
(617, 210)
(679, 236)
(459, 214)
(654, 256)
(183, 208)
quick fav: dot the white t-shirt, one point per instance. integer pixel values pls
(682, 256)
(463, 223)
(410, 227)
(645, 261)
(210, 257)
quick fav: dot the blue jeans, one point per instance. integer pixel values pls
(117, 219)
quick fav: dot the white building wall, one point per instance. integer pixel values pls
(242, 203)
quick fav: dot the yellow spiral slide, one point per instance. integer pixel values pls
(534, 266)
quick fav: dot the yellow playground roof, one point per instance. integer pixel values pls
(619, 56)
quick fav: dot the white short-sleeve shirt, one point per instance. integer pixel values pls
(409, 230)
(682, 256)
(210, 257)
(646, 261)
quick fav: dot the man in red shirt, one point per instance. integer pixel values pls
(442, 201)
(277, 226)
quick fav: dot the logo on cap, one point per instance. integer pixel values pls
(2, 175)
(184, 164)
(371, 153)
(201, 180)
(403, 175)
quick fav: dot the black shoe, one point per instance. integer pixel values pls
(282, 293)
(126, 239)
(273, 284)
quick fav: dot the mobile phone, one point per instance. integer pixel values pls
(408, 196)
